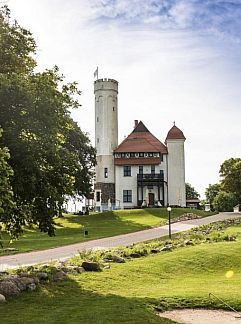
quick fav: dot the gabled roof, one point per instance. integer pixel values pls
(141, 140)
(175, 133)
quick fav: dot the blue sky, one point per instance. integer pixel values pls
(174, 60)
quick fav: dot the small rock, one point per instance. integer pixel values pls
(117, 259)
(135, 255)
(154, 250)
(31, 287)
(2, 299)
(166, 248)
(21, 286)
(188, 242)
(42, 276)
(65, 269)
(27, 280)
(60, 275)
(91, 266)
(9, 288)
(80, 269)
(106, 266)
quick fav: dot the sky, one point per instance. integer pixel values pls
(175, 60)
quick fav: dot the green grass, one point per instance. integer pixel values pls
(70, 229)
(128, 292)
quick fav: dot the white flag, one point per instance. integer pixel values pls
(96, 73)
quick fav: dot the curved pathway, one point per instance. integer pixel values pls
(65, 252)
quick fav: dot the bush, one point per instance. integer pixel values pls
(225, 201)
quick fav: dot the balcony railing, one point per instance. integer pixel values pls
(150, 176)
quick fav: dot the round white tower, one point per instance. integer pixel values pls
(106, 136)
(176, 167)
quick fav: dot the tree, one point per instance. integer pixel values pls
(211, 192)
(10, 219)
(230, 172)
(225, 201)
(49, 154)
(191, 193)
(16, 46)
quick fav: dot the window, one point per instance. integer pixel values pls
(97, 119)
(162, 174)
(141, 154)
(106, 172)
(140, 169)
(162, 157)
(132, 155)
(97, 195)
(127, 195)
(113, 108)
(98, 140)
(152, 169)
(127, 171)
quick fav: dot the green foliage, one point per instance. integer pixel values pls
(191, 193)
(50, 156)
(16, 46)
(230, 172)
(225, 201)
(10, 217)
(211, 192)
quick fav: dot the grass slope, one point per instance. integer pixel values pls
(70, 229)
(125, 293)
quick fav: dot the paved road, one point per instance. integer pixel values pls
(64, 252)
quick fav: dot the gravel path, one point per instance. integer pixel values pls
(202, 316)
(64, 252)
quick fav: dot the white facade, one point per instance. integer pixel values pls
(161, 181)
(130, 183)
(176, 172)
(106, 128)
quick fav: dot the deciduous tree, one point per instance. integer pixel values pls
(230, 172)
(211, 192)
(191, 193)
(49, 154)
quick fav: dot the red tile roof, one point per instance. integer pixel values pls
(141, 140)
(137, 161)
(175, 133)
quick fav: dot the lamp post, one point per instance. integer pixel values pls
(169, 209)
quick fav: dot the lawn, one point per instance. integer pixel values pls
(128, 292)
(70, 229)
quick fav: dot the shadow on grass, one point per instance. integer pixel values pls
(66, 302)
(98, 226)
(104, 223)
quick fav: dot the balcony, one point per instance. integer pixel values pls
(153, 177)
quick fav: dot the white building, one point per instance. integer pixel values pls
(140, 171)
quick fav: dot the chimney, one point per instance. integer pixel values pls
(135, 123)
